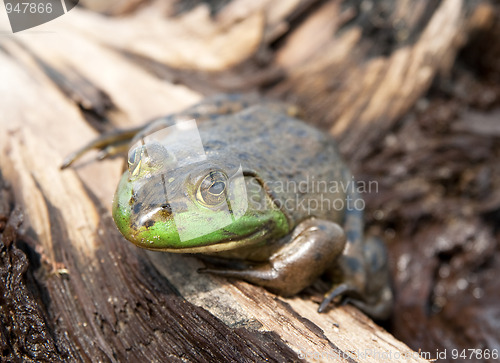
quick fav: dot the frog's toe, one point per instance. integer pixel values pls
(337, 291)
(109, 144)
(259, 275)
(380, 310)
(278, 281)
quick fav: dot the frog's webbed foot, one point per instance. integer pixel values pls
(118, 141)
(365, 285)
(109, 144)
(335, 292)
(378, 310)
(314, 246)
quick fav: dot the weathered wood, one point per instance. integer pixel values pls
(97, 297)
(370, 74)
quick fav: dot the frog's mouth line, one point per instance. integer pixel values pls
(255, 237)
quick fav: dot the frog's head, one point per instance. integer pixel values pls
(204, 206)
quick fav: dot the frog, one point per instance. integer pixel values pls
(298, 220)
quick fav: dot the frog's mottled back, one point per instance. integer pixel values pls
(298, 163)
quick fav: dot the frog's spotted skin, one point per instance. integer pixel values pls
(295, 226)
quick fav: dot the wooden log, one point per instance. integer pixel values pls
(104, 299)
(88, 294)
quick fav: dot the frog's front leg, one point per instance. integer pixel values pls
(118, 141)
(314, 246)
(109, 144)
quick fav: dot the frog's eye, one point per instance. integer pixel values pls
(212, 189)
(135, 161)
(149, 158)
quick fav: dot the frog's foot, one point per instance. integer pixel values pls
(364, 282)
(314, 246)
(336, 291)
(380, 310)
(118, 141)
(109, 144)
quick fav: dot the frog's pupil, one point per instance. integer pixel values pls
(217, 188)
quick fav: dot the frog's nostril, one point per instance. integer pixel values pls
(149, 223)
(137, 208)
(133, 199)
(166, 207)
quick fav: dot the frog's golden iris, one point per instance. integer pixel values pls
(212, 189)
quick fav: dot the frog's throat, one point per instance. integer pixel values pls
(256, 238)
(272, 229)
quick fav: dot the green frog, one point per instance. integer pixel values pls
(261, 195)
